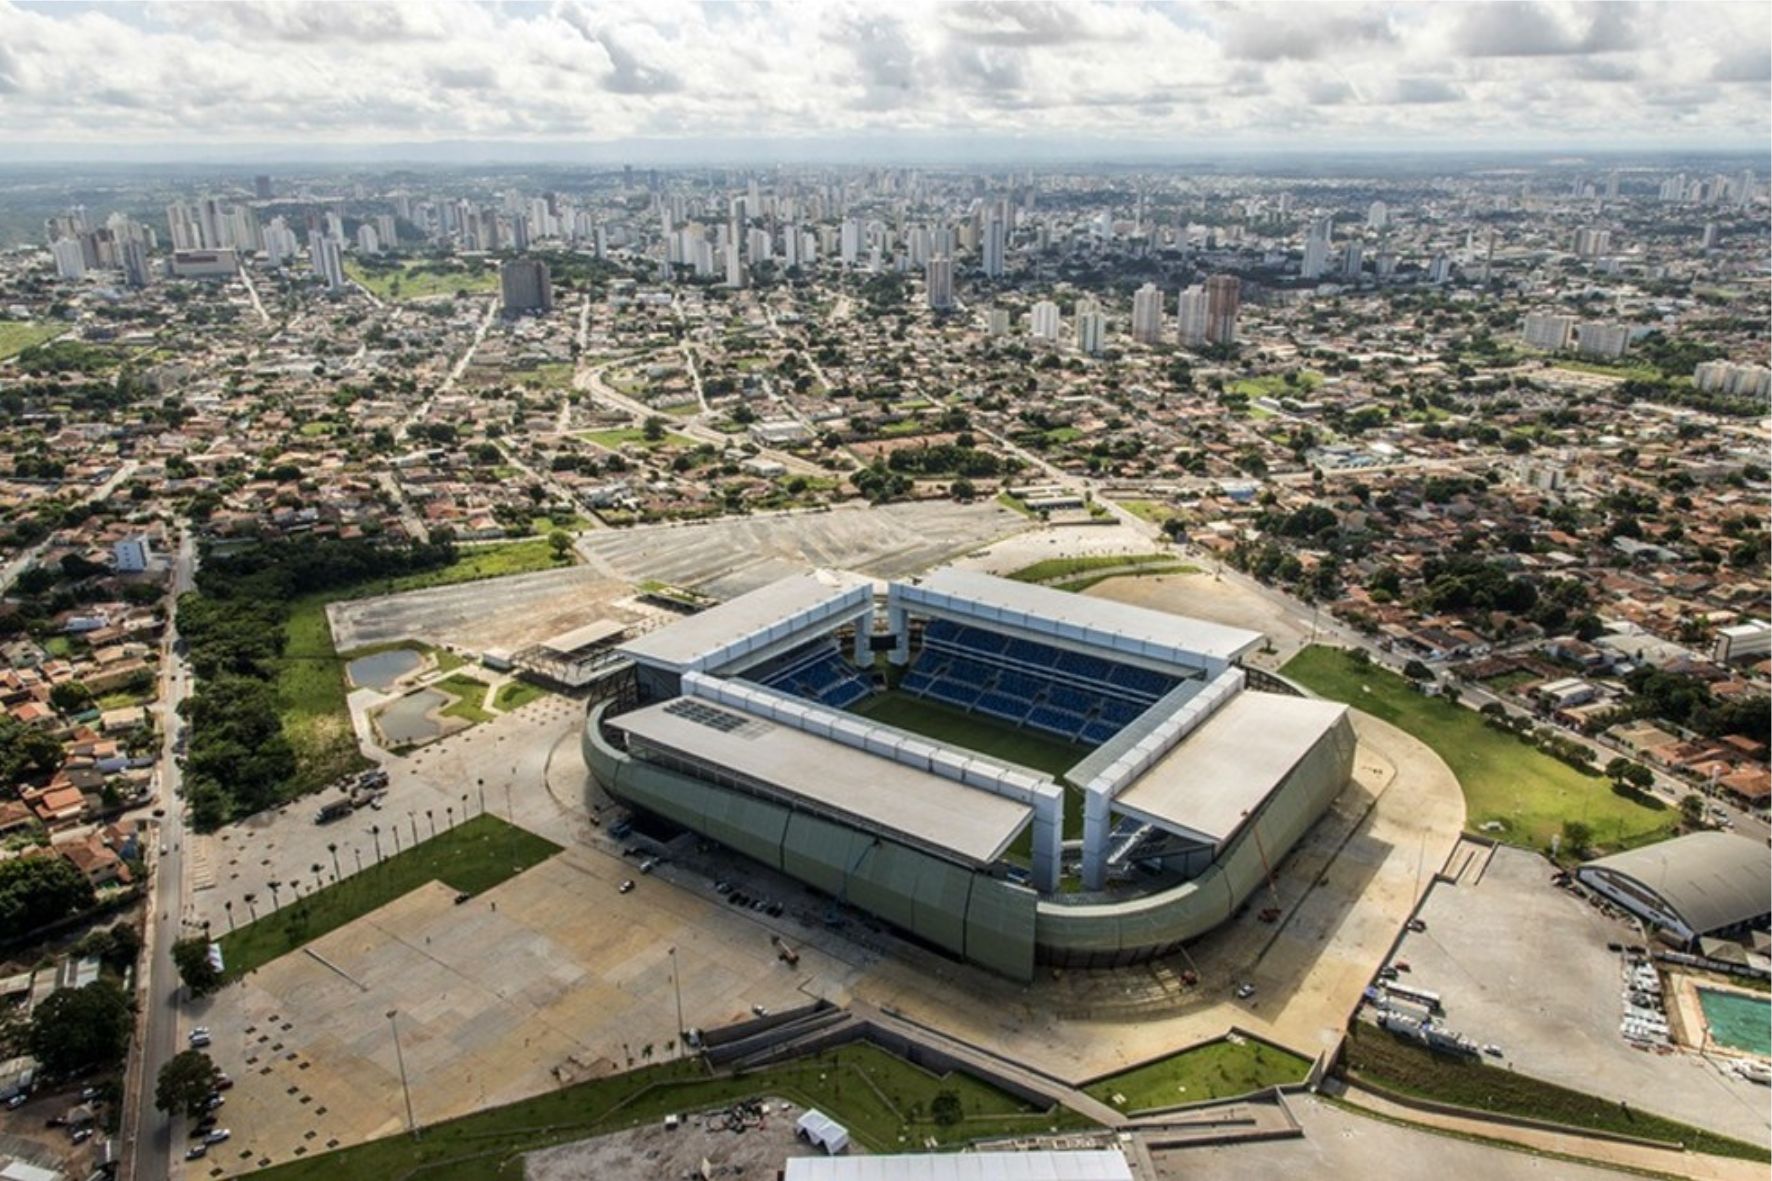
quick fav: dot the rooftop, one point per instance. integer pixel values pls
(853, 785)
(699, 641)
(1710, 879)
(1140, 628)
(1211, 780)
(599, 632)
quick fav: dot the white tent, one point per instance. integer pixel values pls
(822, 1130)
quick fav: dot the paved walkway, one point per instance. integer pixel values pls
(1605, 1152)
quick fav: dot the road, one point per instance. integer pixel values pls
(148, 1135)
(252, 292)
(455, 371)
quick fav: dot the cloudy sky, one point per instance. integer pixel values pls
(1193, 75)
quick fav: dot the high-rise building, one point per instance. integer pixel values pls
(735, 272)
(388, 229)
(849, 244)
(1440, 270)
(70, 259)
(1090, 326)
(368, 241)
(991, 246)
(1590, 242)
(1043, 321)
(1191, 321)
(1316, 257)
(1546, 330)
(1223, 297)
(1147, 314)
(1353, 259)
(328, 260)
(182, 221)
(1601, 341)
(526, 286)
(261, 187)
(1710, 236)
(1728, 378)
(280, 245)
(133, 254)
(996, 322)
(939, 278)
(1378, 215)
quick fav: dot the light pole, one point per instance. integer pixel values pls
(677, 986)
(405, 1088)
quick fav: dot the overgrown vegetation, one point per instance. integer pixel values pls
(1216, 1070)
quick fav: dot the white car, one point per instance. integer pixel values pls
(1245, 991)
(217, 1136)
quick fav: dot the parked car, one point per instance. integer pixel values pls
(17, 1101)
(80, 1135)
(199, 1040)
(626, 885)
(197, 1152)
(1245, 991)
(217, 1136)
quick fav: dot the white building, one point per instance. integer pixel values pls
(1316, 257)
(1378, 215)
(1091, 327)
(1192, 318)
(1601, 341)
(1546, 330)
(328, 260)
(1724, 377)
(70, 259)
(991, 244)
(368, 241)
(1147, 314)
(280, 243)
(1043, 321)
(997, 322)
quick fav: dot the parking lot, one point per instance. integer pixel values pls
(1524, 965)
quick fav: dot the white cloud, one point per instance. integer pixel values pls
(261, 71)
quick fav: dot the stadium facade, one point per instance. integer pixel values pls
(1192, 785)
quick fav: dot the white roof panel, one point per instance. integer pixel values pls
(690, 641)
(1093, 1164)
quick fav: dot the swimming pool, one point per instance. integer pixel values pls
(1738, 1021)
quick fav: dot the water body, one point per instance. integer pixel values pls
(404, 722)
(381, 670)
(1740, 1022)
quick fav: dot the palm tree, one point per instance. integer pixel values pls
(450, 811)
(229, 907)
(249, 900)
(375, 832)
(319, 882)
(276, 898)
(332, 848)
(431, 816)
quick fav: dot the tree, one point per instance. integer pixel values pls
(559, 541)
(185, 1084)
(653, 429)
(70, 697)
(945, 1108)
(78, 1029)
(1692, 809)
(195, 967)
(1577, 837)
(964, 490)
(1417, 671)
(37, 891)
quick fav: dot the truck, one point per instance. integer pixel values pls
(336, 810)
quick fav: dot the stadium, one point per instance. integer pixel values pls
(1012, 774)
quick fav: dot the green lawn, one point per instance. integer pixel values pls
(18, 335)
(882, 1100)
(474, 563)
(1638, 372)
(1216, 1070)
(517, 694)
(417, 280)
(1154, 511)
(310, 688)
(470, 697)
(1079, 585)
(1055, 568)
(473, 856)
(1274, 385)
(619, 437)
(1468, 1082)
(1504, 779)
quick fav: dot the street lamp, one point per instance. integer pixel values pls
(405, 1088)
(677, 986)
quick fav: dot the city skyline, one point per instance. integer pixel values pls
(830, 81)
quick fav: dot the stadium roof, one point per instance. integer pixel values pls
(1091, 1164)
(1141, 630)
(752, 621)
(848, 784)
(1210, 781)
(1711, 880)
(568, 642)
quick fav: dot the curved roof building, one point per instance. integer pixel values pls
(1698, 884)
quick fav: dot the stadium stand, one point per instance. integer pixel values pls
(1073, 695)
(817, 672)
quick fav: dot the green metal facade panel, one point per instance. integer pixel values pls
(1000, 927)
(751, 826)
(820, 853)
(941, 900)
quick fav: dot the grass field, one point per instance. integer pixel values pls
(882, 1100)
(1504, 779)
(470, 698)
(474, 563)
(1273, 385)
(1623, 372)
(1412, 1070)
(1154, 511)
(1079, 585)
(473, 856)
(517, 694)
(1053, 569)
(411, 282)
(1216, 1070)
(18, 335)
(619, 437)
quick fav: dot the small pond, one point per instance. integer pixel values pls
(404, 722)
(381, 670)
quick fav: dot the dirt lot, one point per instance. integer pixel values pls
(653, 1152)
(1524, 965)
(501, 612)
